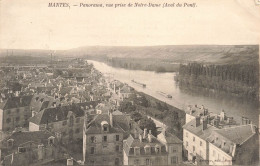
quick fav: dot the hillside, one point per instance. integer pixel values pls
(216, 54)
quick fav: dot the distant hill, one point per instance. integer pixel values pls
(217, 54)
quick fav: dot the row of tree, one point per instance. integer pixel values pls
(240, 79)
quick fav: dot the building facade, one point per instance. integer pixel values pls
(103, 139)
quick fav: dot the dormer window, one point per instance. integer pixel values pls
(157, 149)
(105, 138)
(92, 139)
(51, 140)
(21, 150)
(104, 126)
(10, 143)
(147, 149)
(136, 150)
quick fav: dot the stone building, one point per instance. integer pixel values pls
(25, 148)
(142, 148)
(15, 112)
(103, 138)
(67, 120)
(234, 146)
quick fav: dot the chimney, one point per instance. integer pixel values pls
(204, 124)
(111, 119)
(140, 138)
(40, 152)
(197, 122)
(69, 162)
(135, 134)
(114, 88)
(216, 121)
(145, 133)
(150, 136)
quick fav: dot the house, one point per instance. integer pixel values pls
(68, 120)
(195, 133)
(234, 146)
(142, 148)
(124, 92)
(203, 129)
(15, 112)
(25, 148)
(103, 139)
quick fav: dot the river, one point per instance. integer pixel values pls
(164, 82)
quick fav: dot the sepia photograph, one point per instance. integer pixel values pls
(122, 82)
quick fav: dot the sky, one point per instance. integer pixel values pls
(27, 24)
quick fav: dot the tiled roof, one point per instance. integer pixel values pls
(170, 138)
(120, 124)
(237, 134)
(39, 137)
(191, 127)
(16, 102)
(56, 114)
(131, 143)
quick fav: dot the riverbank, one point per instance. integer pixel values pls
(164, 82)
(148, 106)
(147, 64)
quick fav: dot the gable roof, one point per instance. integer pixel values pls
(56, 114)
(237, 134)
(16, 102)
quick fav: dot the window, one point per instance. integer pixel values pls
(105, 138)
(147, 150)
(77, 130)
(51, 141)
(136, 162)
(117, 161)
(157, 161)
(137, 150)
(92, 162)
(187, 143)
(17, 119)
(105, 128)
(92, 139)
(200, 143)
(64, 123)
(174, 160)
(193, 148)
(147, 162)
(71, 120)
(117, 148)
(187, 134)
(92, 150)
(157, 149)
(21, 149)
(117, 137)
(193, 139)
(8, 120)
(10, 142)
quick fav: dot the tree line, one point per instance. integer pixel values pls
(239, 79)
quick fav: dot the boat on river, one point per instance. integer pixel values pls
(164, 94)
(139, 83)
